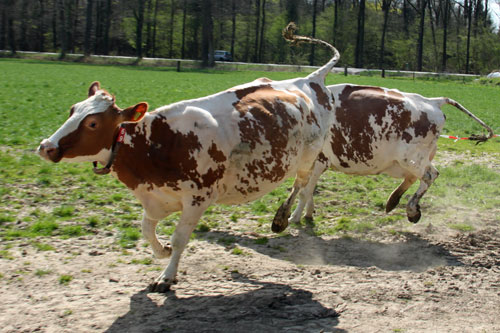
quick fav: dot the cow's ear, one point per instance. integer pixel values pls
(134, 113)
(94, 87)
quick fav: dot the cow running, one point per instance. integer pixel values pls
(379, 130)
(231, 147)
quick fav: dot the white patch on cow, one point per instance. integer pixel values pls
(97, 103)
(101, 157)
(127, 140)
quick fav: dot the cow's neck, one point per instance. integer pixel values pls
(144, 158)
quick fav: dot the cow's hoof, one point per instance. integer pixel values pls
(309, 220)
(280, 221)
(279, 227)
(391, 204)
(161, 286)
(416, 217)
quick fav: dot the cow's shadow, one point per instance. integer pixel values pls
(412, 253)
(267, 307)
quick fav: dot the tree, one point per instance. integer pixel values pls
(313, 34)
(207, 48)
(233, 26)
(61, 11)
(139, 18)
(386, 6)
(446, 15)
(262, 37)
(360, 36)
(420, 43)
(184, 14)
(257, 24)
(171, 30)
(88, 28)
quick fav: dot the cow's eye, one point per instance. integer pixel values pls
(93, 124)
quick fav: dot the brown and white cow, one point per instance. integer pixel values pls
(378, 130)
(230, 147)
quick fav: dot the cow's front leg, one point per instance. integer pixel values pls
(413, 207)
(148, 226)
(188, 220)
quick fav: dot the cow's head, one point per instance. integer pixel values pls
(91, 128)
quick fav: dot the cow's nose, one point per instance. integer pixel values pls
(48, 150)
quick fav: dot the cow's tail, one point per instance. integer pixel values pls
(474, 137)
(289, 35)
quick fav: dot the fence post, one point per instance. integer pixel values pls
(345, 70)
(383, 72)
(178, 66)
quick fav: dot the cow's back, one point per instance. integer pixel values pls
(374, 126)
(239, 143)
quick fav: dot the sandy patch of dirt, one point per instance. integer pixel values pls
(298, 283)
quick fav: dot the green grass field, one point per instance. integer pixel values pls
(39, 199)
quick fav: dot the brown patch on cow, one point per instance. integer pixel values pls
(265, 118)
(171, 158)
(323, 159)
(85, 141)
(321, 95)
(197, 200)
(216, 154)
(353, 135)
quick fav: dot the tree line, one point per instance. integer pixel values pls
(429, 35)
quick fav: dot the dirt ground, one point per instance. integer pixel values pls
(413, 282)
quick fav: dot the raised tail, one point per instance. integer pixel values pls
(289, 35)
(474, 137)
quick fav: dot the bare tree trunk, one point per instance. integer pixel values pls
(445, 33)
(24, 27)
(74, 28)
(139, 17)
(107, 26)
(184, 12)
(207, 42)
(3, 28)
(420, 43)
(469, 25)
(386, 5)
(360, 36)
(261, 45)
(61, 9)
(257, 24)
(171, 30)
(434, 43)
(406, 19)
(149, 27)
(233, 27)
(336, 21)
(313, 34)
(41, 27)
(98, 26)
(88, 28)
(10, 28)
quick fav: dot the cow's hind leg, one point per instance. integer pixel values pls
(413, 207)
(306, 195)
(188, 220)
(393, 200)
(280, 221)
(148, 226)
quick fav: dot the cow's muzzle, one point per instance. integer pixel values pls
(49, 151)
